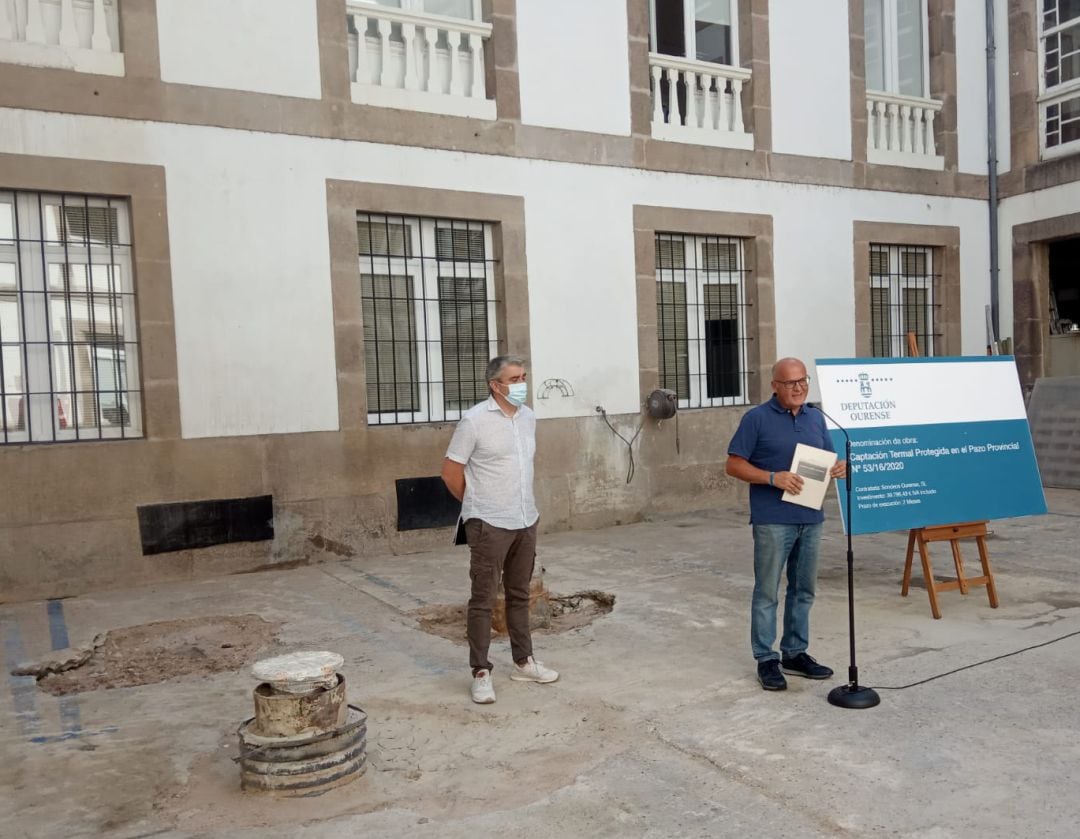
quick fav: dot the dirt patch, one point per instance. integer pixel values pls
(155, 652)
(549, 614)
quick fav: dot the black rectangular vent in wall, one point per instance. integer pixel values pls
(424, 503)
(200, 524)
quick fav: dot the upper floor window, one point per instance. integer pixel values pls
(427, 291)
(698, 29)
(701, 319)
(468, 9)
(69, 348)
(896, 55)
(697, 83)
(419, 55)
(1059, 100)
(82, 36)
(900, 114)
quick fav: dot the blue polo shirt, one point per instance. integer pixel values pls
(766, 437)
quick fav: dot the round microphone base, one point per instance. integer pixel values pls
(853, 696)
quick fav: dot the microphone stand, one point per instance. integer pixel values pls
(851, 695)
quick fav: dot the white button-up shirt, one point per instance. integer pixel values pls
(497, 452)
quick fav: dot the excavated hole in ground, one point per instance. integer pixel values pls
(155, 652)
(549, 613)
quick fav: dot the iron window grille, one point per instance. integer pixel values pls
(69, 352)
(1059, 54)
(701, 319)
(427, 288)
(902, 300)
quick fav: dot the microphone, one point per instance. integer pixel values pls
(817, 407)
(847, 446)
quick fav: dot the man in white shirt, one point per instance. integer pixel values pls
(489, 468)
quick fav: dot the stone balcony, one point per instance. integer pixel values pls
(417, 61)
(78, 35)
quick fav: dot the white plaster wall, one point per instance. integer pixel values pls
(573, 64)
(971, 86)
(249, 242)
(266, 46)
(809, 57)
(251, 264)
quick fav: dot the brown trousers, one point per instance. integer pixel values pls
(511, 554)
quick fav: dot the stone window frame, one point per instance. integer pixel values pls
(1070, 89)
(945, 244)
(753, 51)
(941, 46)
(757, 231)
(143, 187)
(506, 214)
(1031, 290)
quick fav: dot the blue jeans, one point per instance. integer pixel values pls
(774, 545)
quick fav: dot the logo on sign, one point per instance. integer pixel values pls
(865, 391)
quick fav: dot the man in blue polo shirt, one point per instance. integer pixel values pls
(760, 453)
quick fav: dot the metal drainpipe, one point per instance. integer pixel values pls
(991, 147)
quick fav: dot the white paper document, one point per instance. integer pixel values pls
(813, 466)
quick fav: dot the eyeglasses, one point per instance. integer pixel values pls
(794, 383)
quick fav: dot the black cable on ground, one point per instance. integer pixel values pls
(629, 443)
(976, 664)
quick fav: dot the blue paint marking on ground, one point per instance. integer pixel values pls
(396, 589)
(69, 705)
(58, 633)
(71, 735)
(23, 688)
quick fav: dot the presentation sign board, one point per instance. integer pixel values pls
(933, 440)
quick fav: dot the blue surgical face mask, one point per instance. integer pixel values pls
(516, 393)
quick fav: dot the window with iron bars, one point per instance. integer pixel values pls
(701, 319)
(427, 288)
(69, 351)
(902, 303)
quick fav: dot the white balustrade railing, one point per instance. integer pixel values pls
(412, 60)
(900, 130)
(698, 102)
(81, 35)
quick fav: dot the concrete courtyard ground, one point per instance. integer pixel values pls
(656, 728)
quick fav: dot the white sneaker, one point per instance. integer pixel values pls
(483, 691)
(533, 671)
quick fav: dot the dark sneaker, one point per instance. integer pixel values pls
(804, 665)
(768, 673)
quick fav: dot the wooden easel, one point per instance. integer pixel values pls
(951, 533)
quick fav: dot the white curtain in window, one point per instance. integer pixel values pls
(714, 11)
(712, 31)
(450, 8)
(874, 30)
(909, 47)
